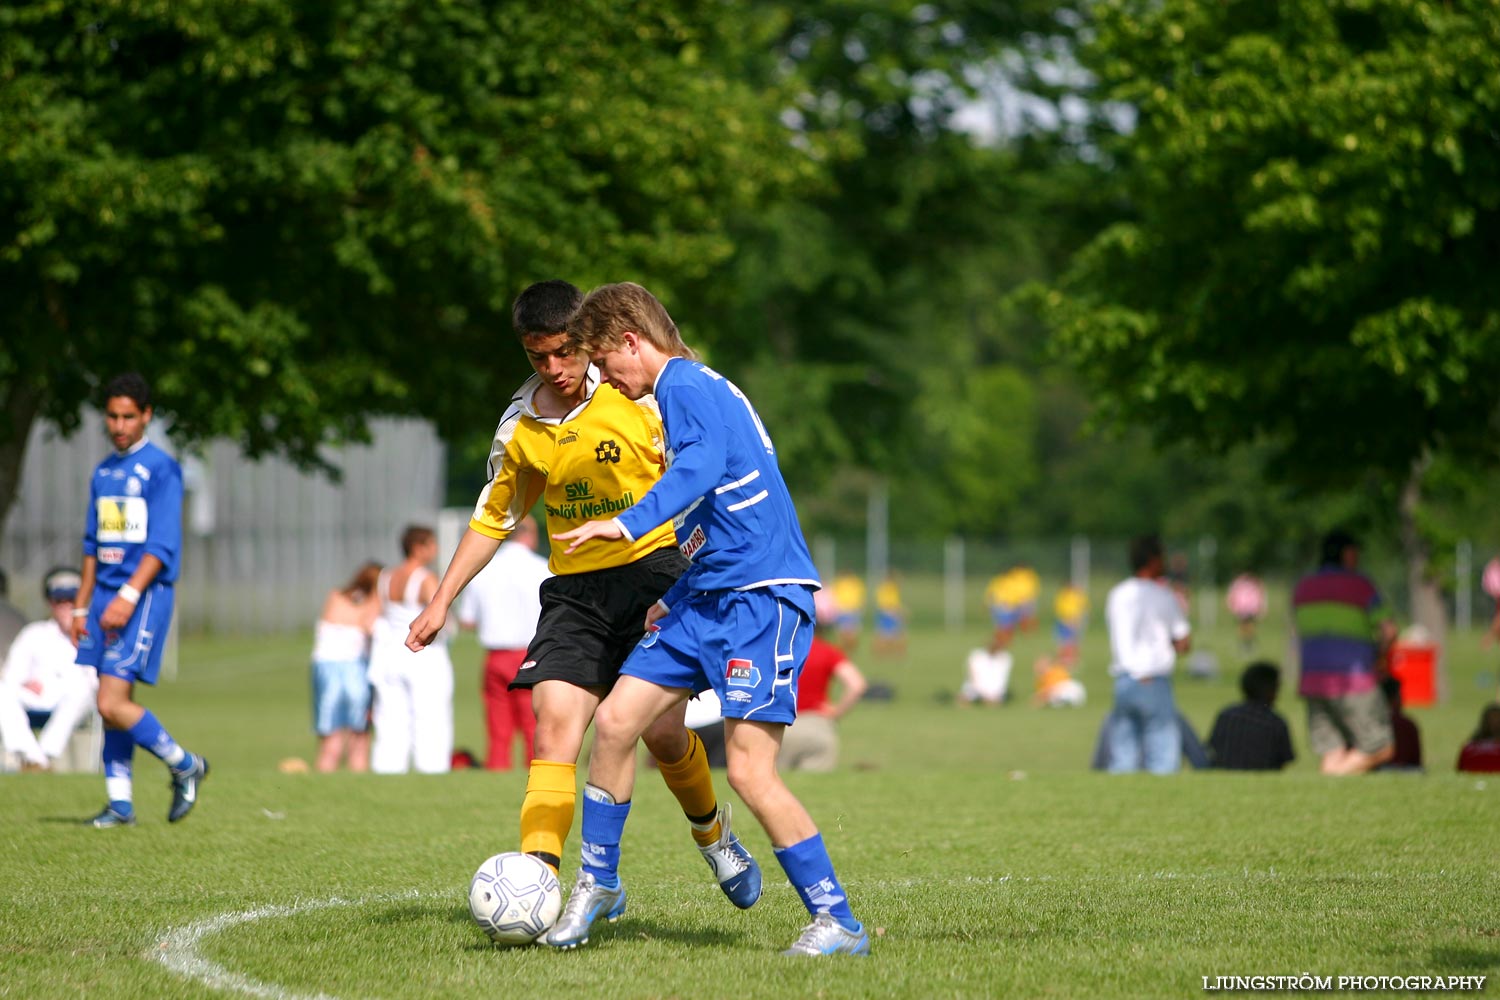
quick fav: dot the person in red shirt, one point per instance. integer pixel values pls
(1482, 752)
(812, 742)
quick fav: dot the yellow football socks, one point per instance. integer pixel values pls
(693, 784)
(547, 811)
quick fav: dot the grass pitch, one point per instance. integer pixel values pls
(988, 859)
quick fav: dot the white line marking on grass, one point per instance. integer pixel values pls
(178, 947)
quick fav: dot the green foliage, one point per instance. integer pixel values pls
(1308, 255)
(292, 215)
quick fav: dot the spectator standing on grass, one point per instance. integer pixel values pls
(1482, 752)
(1344, 633)
(503, 602)
(849, 596)
(340, 671)
(132, 546)
(40, 678)
(1251, 736)
(1147, 632)
(413, 691)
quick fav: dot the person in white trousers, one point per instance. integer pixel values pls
(40, 676)
(413, 705)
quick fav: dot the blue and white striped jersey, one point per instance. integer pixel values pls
(135, 507)
(722, 489)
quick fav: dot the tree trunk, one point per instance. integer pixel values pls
(1428, 608)
(19, 406)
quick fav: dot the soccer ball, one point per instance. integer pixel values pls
(515, 898)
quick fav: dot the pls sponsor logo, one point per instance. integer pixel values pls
(741, 673)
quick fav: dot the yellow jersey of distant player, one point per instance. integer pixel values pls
(888, 596)
(590, 465)
(849, 593)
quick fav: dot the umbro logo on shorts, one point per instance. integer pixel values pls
(527, 665)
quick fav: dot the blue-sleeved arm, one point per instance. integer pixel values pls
(164, 526)
(700, 446)
(91, 519)
(678, 590)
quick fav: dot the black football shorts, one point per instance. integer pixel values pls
(591, 621)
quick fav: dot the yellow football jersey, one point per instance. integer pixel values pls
(587, 466)
(888, 596)
(849, 593)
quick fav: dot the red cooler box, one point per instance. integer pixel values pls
(1415, 666)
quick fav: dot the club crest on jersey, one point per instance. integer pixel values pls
(133, 486)
(694, 542)
(741, 673)
(607, 451)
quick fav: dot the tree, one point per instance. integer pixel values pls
(1309, 253)
(292, 215)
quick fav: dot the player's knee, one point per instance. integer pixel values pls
(752, 778)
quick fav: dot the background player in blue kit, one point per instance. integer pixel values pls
(740, 620)
(132, 546)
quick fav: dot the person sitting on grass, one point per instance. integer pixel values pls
(1482, 752)
(1251, 736)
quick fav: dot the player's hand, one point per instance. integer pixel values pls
(607, 530)
(116, 614)
(78, 628)
(426, 626)
(654, 614)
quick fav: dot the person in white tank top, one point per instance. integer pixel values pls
(340, 662)
(413, 692)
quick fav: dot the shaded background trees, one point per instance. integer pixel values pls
(1252, 245)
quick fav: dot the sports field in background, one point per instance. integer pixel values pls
(988, 858)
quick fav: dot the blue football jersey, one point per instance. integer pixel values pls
(723, 490)
(135, 507)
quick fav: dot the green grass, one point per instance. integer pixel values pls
(988, 858)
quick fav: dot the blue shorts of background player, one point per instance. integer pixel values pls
(1067, 632)
(887, 624)
(341, 696)
(1005, 616)
(747, 645)
(133, 653)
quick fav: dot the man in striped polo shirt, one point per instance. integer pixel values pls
(1344, 630)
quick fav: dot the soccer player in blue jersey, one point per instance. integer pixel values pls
(132, 547)
(739, 621)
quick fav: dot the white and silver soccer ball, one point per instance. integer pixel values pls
(515, 898)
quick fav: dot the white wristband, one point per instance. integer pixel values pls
(80, 612)
(128, 594)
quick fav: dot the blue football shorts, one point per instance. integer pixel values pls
(341, 696)
(1005, 615)
(747, 645)
(133, 653)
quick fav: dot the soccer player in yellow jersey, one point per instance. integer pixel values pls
(588, 452)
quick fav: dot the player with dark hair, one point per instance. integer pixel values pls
(584, 449)
(739, 621)
(132, 548)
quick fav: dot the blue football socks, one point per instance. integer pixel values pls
(119, 749)
(603, 826)
(148, 732)
(810, 870)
